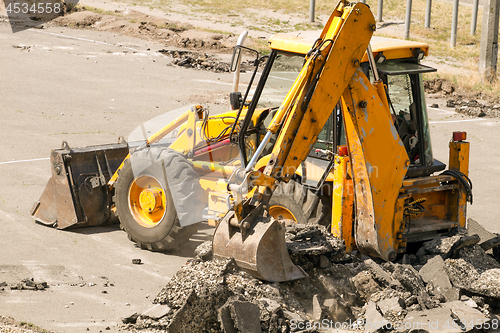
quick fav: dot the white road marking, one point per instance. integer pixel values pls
(491, 123)
(453, 121)
(216, 82)
(21, 161)
(20, 300)
(83, 39)
(442, 111)
(282, 78)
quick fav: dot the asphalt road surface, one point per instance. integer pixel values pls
(88, 88)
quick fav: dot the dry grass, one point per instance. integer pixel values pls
(438, 35)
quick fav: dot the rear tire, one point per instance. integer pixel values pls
(295, 202)
(146, 171)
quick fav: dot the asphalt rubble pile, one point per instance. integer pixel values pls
(24, 284)
(464, 102)
(450, 284)
(10, 325)
(203, 61)
(197, 60)
(473, 108)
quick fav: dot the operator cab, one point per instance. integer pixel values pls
(406, 97)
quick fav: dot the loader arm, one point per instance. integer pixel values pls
(247, 233)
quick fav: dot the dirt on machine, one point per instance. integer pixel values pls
(332, 130)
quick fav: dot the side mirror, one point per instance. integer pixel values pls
(237, 55)
(236, 58)
(235, 99)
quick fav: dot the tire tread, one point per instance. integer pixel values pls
(183, 177)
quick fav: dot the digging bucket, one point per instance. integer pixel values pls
(77, 194)
(260, 250)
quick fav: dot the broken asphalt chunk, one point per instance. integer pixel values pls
(434, 272)
(374, 321)
(466, 276)
(246, 316)
(462, 242)
(157, 311)
(379, 274)
(491, 243)
(391, 305)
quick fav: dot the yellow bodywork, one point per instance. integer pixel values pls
(301, 127)
(301, 43)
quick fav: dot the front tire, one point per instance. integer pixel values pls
(297, 204)
(144, 202)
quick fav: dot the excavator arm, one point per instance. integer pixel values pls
(247, 233)
(379, 163)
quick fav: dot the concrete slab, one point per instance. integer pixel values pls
(434, 272)
(432, 321)
(468, 317)
(373, 318)
(391, 305)
(379, 274)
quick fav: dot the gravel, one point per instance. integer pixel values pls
(347, 289)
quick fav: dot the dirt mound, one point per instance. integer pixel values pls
(8, 324)
(135, 24)
(439, 85)
(449, 280)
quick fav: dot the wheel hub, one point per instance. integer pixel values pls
(147, 201)
(282, 213)
(151, 199)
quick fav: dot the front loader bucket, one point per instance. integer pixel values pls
(77, 194)
(261, 250)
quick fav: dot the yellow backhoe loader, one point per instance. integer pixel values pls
(334, 132)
